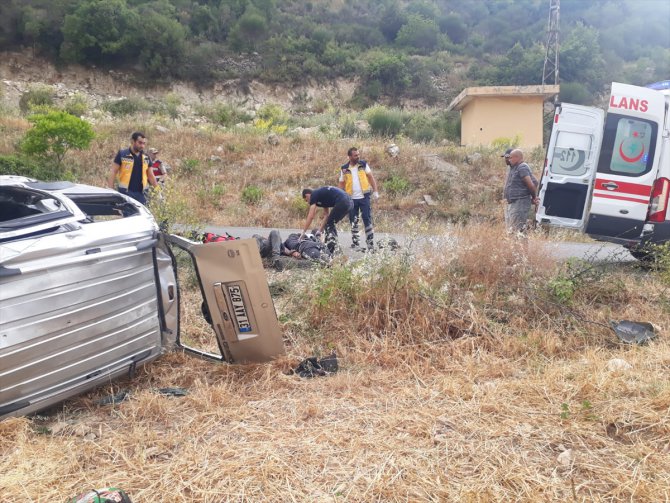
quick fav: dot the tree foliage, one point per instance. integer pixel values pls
(54, 134)
(498, 41)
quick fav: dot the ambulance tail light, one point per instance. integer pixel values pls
(659, 200)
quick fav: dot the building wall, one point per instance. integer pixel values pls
(485, 119)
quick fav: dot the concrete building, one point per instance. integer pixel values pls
(489, 113)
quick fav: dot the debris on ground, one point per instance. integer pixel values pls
(633, 332)
(313, 367)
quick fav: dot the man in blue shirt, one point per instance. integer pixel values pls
(336, 204)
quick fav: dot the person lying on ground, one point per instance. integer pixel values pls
(309, 247)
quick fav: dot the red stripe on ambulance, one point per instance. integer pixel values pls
(637, 189)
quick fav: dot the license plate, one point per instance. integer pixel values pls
(239, 309)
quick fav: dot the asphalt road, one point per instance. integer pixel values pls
(562, 250)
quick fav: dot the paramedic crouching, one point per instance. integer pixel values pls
(520, 191)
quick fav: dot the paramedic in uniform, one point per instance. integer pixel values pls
(357, 180)
(336, 204)
(131, 169)
(520, 191)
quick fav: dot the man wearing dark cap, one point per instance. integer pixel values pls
(520, 191)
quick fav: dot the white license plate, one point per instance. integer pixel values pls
(239, 309)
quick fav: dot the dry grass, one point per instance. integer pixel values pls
(464, 376)
(211, 167)
(461, 379)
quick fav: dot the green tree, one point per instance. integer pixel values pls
(54, 134)
(454, 27)
(100, 29)
(581, 59)
(249, 30)
(418, 32)
(162, 41)
(386, 71)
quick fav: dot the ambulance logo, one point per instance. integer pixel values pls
(631, 149)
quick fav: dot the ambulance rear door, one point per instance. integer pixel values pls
(570, 166)
(628, 163)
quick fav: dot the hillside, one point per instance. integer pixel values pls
(425, 50)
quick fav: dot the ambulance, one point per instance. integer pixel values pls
(608, 174)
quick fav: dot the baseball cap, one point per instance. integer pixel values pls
(153, 150)
(507, 152)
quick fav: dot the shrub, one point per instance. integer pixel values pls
(172, 205)
(38, 96)
(226, 114)
(299, 205)
(397, 185)
(55, 133)
(271, 117)
(385, 122)
(125, 106)
(76, 105)
(32, 168)
(190, 166)
(252, 194)
(421, 129)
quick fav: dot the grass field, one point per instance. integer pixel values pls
(477, 370)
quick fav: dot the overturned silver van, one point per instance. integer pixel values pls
(90, 289)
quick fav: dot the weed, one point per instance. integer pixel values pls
(77, 105)
(36, 96)
(190, 166)
(397, 185)
(125, 106)
(251, 194)
(385, 122)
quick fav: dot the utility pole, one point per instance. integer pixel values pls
(550, 69)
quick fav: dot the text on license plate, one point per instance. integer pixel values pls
(240, 310)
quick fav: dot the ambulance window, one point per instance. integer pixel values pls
(628, 146)
(570, 153)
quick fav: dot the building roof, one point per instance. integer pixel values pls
(469, 93)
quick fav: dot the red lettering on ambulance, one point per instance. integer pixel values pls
(629, 103)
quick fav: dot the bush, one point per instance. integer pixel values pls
(76, 105)
(252, 194)
(32, 168)
(271, 117)
(226, 114)
(55, 133)
(125, 106)
(190, 166)
(385, 122)
(38, 96)
(421, 129)
(397, 185)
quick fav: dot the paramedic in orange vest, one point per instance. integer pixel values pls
(131, 169)
(357, 180)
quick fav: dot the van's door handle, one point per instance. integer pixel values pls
(610, 186)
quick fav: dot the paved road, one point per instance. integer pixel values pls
(562, 250)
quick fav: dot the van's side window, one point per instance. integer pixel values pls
(628, 146)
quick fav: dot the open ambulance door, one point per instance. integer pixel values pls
(570, 166)
(628, 164)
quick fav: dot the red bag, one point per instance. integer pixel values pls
(210, 237)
